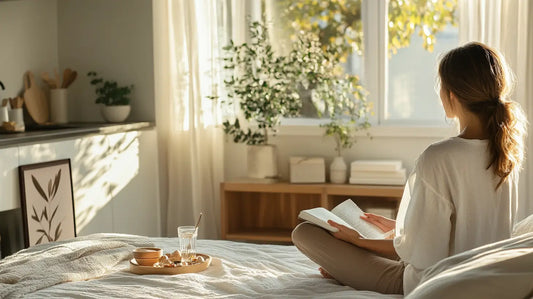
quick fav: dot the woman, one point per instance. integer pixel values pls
(462, 193)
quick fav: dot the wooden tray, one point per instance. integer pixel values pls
(137, 269)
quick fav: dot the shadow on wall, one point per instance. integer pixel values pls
(104, 165)
(101, 167)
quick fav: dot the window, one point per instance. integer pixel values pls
(393, 46)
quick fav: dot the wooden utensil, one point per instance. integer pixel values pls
(58, 80)
(72, 78)
(35, 99)
(66, 77)
(49, 81)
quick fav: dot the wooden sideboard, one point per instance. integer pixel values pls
(268, 212)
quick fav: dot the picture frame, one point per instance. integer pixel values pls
(47, 202)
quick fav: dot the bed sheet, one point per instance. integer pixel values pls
(238, 270)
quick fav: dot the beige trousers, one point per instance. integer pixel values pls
(347, 263)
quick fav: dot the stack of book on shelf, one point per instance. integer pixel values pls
(377, 172)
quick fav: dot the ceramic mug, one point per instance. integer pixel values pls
(17, 116)
(3, 115)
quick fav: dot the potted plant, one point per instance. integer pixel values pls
(336, 95)
(347, 108)
(344, 137)
(263, 86)
(115, 98)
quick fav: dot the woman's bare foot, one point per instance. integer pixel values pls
(325, 273)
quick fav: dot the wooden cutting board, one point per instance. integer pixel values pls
(35, 100)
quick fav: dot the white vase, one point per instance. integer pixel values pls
(116, 113)
(262, 161)
(337, 171)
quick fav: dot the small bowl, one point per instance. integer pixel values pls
(147, 253)
(147, 261)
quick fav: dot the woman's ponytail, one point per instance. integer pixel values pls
(482, 82)
(506, 128)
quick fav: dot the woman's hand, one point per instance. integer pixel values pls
(383, 223)
(345, 233)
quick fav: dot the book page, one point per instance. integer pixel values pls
(320, 217)
(351, 214)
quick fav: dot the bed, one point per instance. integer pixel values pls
(96, 266)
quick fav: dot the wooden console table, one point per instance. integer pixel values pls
(269, 212)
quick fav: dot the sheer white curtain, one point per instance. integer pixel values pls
(191, 149)
(505, 25)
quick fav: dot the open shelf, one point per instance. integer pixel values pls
(269, 212)
(262, 234)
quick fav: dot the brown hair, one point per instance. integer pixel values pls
(481, 80)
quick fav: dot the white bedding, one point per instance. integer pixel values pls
(238, 270)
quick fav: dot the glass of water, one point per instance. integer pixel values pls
(187, 237)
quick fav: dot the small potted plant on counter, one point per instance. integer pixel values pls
(115, 98)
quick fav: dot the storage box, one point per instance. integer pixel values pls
(307, 170)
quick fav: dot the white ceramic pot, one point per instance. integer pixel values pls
(58, 106)
(262, 161)
(115, 114)
(337, 171)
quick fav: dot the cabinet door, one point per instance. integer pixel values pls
(93, 211)
(134, 169)
(9, 186)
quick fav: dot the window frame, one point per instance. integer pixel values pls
(375, 81)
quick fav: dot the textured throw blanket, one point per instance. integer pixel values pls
(83, 258)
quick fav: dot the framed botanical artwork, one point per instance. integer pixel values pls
(47, 202)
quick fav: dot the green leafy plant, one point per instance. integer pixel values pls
(108, 92)
(262, 84)
(268, 87)
(335, 94)
(343, 134)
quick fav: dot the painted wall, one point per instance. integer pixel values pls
(115, 39)
(398, 144)
(28, 41)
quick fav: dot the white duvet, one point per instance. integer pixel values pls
(238, 270)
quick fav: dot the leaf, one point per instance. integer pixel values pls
(56, 183)
(58, 232)
(49, 188)
(39, 188)
(44, 214)
(35, 216)
(41, 231)
(39, 240)
(53, 214)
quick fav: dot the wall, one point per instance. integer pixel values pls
(398, 145)
(28, 39)
(115, 39)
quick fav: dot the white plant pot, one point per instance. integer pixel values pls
(337, 171)
(262, 161)
(115, 114)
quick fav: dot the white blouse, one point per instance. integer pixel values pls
(450, 205)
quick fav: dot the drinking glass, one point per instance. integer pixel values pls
(187, 237)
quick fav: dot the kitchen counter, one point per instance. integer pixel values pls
(44, 133)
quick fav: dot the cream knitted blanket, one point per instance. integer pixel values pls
(82, 258)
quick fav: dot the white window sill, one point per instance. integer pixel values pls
(375, 131)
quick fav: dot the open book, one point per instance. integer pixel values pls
(347, 214)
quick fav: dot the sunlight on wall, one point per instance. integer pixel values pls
(103, 166)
